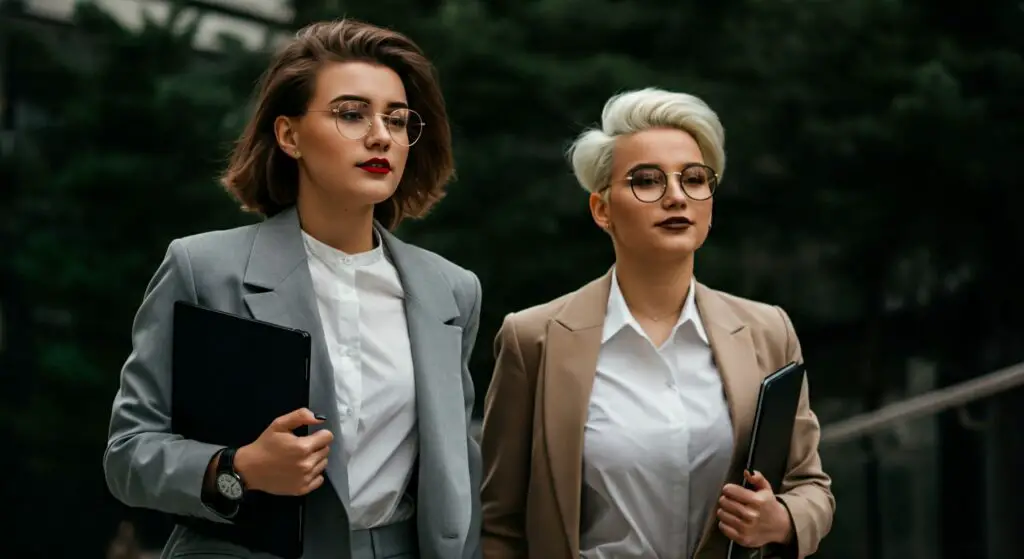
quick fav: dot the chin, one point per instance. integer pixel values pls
(372, 191)
(676, 248)
(684, 241)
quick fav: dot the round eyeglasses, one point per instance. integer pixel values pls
(649, 183)
(354, 120)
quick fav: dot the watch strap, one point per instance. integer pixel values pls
(226, 463)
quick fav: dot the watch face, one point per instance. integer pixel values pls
(229, 486)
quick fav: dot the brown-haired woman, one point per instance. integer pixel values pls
(349, 137)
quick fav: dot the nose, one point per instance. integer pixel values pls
(378, 136)
(674, 195)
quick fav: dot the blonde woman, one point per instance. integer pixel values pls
(617, 414)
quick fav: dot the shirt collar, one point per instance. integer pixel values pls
(618, 316)
(333, 257)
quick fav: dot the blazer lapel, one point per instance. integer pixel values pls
(282, 293)
(737, 363)
(436, 344)
(570, 364)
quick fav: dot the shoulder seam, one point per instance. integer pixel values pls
(186, 262)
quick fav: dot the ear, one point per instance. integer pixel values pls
(287, 136)
(600, 212)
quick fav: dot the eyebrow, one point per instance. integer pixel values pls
(344, 97)
(641, 166)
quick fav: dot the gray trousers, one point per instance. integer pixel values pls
(327, 537)
(395, 541)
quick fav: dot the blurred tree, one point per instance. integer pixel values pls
(124, 135)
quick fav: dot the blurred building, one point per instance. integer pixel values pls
(256, 24)
(249, 20)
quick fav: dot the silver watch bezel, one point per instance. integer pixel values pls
(232, 481)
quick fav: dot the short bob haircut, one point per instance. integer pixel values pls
(265, 180)
(644, 109)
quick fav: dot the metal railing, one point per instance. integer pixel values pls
(923, 405)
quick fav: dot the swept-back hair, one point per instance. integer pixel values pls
(635, 111)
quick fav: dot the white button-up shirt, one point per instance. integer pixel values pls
(658, 439)
(361, 304)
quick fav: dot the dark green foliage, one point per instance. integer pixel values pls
(873, 148)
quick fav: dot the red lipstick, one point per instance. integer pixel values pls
(377, 165)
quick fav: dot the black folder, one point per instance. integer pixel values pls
(772, 434)
(231, 377)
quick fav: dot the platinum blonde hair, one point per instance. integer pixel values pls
(644, 109)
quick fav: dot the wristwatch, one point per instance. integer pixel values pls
(229, 483)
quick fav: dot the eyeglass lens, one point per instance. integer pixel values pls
(354, 120)
(650, 183)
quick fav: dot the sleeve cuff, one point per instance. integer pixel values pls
(213, 508)
(789, 550)
(223, 512)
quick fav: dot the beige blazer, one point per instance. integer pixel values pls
(536, 408)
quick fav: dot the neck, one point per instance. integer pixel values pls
(656, 291)
(348, 229)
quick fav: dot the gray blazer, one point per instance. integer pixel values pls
(260, 271)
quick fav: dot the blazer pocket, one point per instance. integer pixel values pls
(451, 324)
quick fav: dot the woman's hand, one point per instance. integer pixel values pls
(281, 463)
(753, 518)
